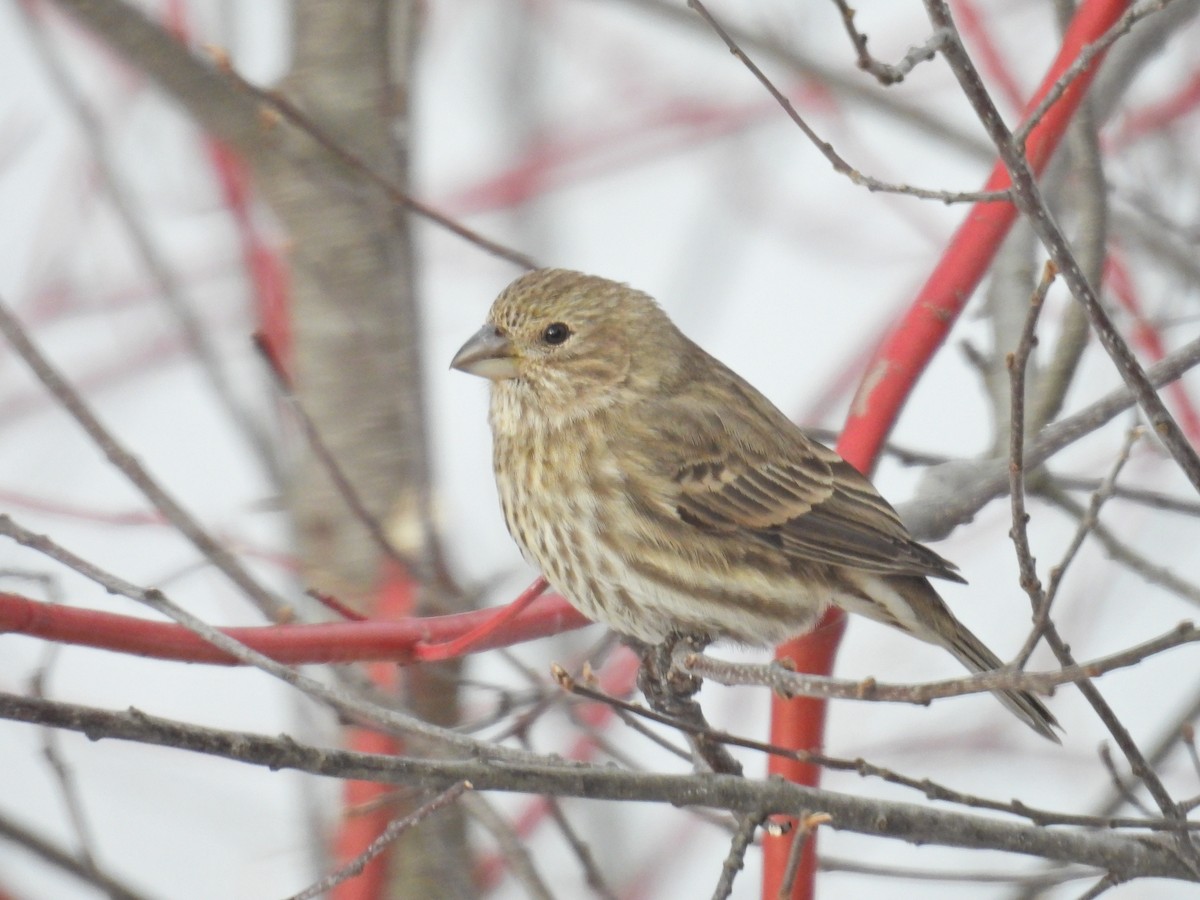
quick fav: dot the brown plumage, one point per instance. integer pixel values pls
(662, 494)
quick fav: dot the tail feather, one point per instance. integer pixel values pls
(973, 654)
(911, 604)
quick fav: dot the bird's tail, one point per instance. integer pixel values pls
(922, 613)
(973, 654)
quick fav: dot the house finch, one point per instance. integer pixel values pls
(662, 495)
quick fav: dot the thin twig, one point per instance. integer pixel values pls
(735, 859)
(1133, 754)
(394, 829)
(867, 94)
(1119, 784)
(64, 776)
(1026, 196)
(591, 870)
(232, 108)
(1103, 886)
(631, 721)
(1086, 58)
(884, 73)
(1187, 735)
(583, 853)
(910, 456)
(1119, 551)
(826, 149)
(280, 104)
(1171, 810)
(173, 293)
(1016, 363)
(1088, 523)
(1025, 879)
(1162, 242)
(938, 514)
(789, 683)
(930, 789)
(1020, 519)
(613, 749)
(1163, 746)
(128, 465)
(806, 824)
(1143, 496)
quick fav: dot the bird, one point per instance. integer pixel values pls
(661, 494)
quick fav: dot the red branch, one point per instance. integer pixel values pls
(268, 272)
(400, 642)
(904, 354)
(366, 809)
(460, 646)
(887, 384)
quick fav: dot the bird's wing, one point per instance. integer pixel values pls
(743, 469)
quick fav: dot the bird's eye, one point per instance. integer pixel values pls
(556, 333)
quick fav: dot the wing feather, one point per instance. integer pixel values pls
(746, 471)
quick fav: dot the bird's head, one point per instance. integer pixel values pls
(574, 340)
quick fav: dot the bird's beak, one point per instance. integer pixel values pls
(487, 354)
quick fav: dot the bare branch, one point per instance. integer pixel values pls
(1026, 195)
(1102, 886)
(1130, 858)
(826, 149)
(735, 859)
(127, 464)
(232, 109)
(1016, 362)
(884, 73)
(1087, 57)
(887, 104)
(394, 829)
(798, 684)
(738, 673)
(1088, 523)
(952, 503)
(174, 295)
(591, 871)
(1119, 551)
(806, 824)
